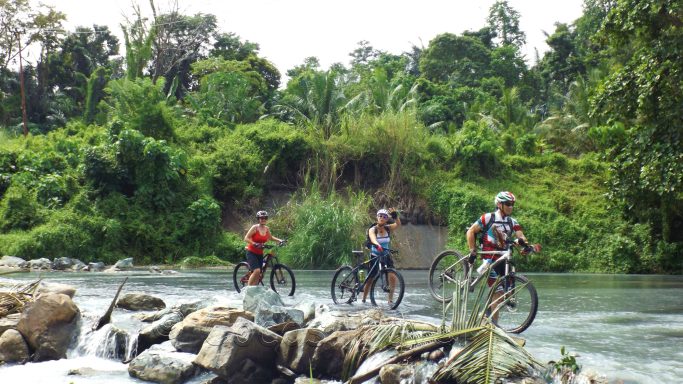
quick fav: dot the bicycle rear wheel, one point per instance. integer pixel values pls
(447, 273)
(282, 280)
(240, 275)
(387, 289)
(517, 308)
(344, 285)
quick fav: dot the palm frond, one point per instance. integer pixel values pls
(490, 355)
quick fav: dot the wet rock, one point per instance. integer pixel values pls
(395, 374)
(184, 308)
(297, 348)
(13, 347)
(329, 354)
(13, 262)
(226, 350)
(45, 288)
(436, 355)
(331, 321)
(189, 335)
(140, 302)
(267, 316)
(260, 296)
(283, 328)
(41, 264)
(158, 331)
(124, 264)
(48, 324)
(67, 263)
(163, 366)
(96, 267)
(308, 309)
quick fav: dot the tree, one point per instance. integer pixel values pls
(644, 93)
(503, 20)
(462, 60)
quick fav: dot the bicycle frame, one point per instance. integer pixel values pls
(376, 264)
(269, 259)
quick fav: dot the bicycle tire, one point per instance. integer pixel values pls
(240, 275)
(282, 279)
(446, 274)
(519, 312)
(380, 293)
(344, 285)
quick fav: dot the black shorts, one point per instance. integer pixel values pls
(255, 261)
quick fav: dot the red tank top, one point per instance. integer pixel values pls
(257, 237)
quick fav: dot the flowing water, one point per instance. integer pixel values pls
(629, 328)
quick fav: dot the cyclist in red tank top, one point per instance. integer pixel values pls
(256, 237)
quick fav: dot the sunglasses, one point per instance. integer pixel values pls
(509, 204)
(264, 218)
(383, 216)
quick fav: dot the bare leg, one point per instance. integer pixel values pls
(255, 277)
(366, 288)
(393, 281)
(495, 301)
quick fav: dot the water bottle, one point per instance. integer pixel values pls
(483, 266)
(361, 275)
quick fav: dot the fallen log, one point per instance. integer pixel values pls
(106, 318)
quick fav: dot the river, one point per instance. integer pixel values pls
(627, 327)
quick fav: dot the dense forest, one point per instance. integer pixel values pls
(152, 147)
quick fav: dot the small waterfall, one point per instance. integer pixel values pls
(109, 342)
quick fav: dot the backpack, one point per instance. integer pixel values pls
(368, 243)
(487, 226)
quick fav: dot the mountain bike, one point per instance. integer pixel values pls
(348, 282)
(281, 276)
(513, 311)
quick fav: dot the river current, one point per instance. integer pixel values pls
(626, 327)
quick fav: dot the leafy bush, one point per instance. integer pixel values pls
(477, 150)
(322, 230)
(19, 209)
(206, 261)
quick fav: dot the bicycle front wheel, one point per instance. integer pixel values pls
(344, 285)
(447, 273)
(387, 289)
(240, 275)
(282, 280)
(517, 308)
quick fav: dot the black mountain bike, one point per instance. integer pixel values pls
(513, 311)
(387, 287)
(281, 276)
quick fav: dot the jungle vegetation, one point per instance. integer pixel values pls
(153, 146)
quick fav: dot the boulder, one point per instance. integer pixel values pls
(189, 335)
(395, 374)
(297, 348)
(13, 347)
(226, 349)
(328, 357)
(42, 264)
(49, 324)
(95, 267)
(124, 264)
(158, 331)
(13, 262)
(45, 288)
(256, 296)
(184, 308)
(67, 263)
(330, 321)
(267, 316)
(163, 366)
(140, 302)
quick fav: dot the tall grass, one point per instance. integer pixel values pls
(322, 229)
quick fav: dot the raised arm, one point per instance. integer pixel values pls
(397, 219)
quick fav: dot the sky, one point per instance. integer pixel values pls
(288, 31)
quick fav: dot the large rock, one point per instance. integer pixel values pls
(124, 264)
(328, 357)
(96, 266)
(297, 348)
(189, 335)
(48, 324)
(13, 347)
(184, 308)
(13, 262)
(45, 288)
(267, 316)
(140, 302)
(40, 264)
(258, 296)
(227, 348)
(67, 263)
(158, 331)
(331, 321)
(395, 374)
(163, 366)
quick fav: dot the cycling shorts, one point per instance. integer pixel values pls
(255, 261)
